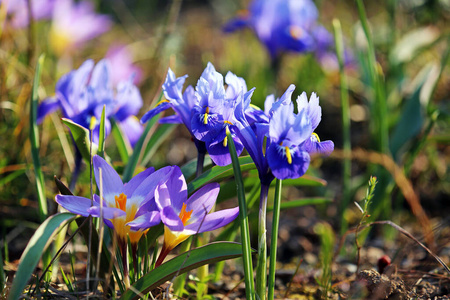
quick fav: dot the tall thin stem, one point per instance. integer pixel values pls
(261, 268)
(274, 238)
(243, 219)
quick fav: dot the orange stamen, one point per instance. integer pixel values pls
(185, 215)
(121, 202)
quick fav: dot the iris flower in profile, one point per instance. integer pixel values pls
(73, 24)
(181, 103)
(126, 208)
(183, 216)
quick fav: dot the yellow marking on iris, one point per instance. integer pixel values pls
(316, 136)
(205, 117)
(255, 107)
(228, 122)
(288, 155)
(161, 102)
(185, 215)
(225, 141)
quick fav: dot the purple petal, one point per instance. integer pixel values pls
(280, 166)
(171, 219)
(145, 221)
(132, 129)
(108, 212)
(146, 189)
(156, 110)
(132, 185)
(112, 184)
(214, 220)
(173, 119)
(46, 107)
(74, 204)
(219, 153)
(202, 201)
(172, 192)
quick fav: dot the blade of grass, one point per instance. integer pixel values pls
(189, 260)
(274, 238)
(160, 134)
(133, 161)
(345, 111)
(34, 139)
(102, 135)
(123, 146)
(243, 218)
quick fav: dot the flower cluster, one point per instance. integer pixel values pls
(279, 140)
(149, 198)
(81, 95)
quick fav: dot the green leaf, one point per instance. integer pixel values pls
(216, 173)
(33, 252)
(187, 261)
(189, 169)
(302, 202)
(161, 133)
(123, 145)
(11, 176)
(34, 140)
(413, 113)
(102, 134)
(81, 137)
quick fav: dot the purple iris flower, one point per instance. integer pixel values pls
(18, 11)
(82, 93)
(314, 111)
(74, 23)
(290, 136)
(281, 25)
(183, 216)
(182, 103)
(129, 209)
(214, 112)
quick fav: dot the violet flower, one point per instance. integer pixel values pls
(122, 65)
(183, 216)
(181, 103)
(75, 23)
(214, 112)
(281, 25)
(82, 93)
(124, 206)
(17, 11)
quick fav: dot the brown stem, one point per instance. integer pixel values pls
(162, 255)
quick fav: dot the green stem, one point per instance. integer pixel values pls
(180, 281)
(274, 237)
(346, 170)
(261, 269)
(243, 219)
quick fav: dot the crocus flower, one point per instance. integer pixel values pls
(75, 23)
(281, 25)
(122, 65)
(183, 216)
(82, 93)
(17, 10)
(124, 206)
